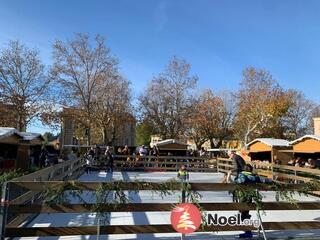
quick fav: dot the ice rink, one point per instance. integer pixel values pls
(142, 218)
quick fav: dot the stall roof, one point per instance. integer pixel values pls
(7, 132)
(169, 141)
(272, 142)
(316, 137)
(28, 136)
(221, 149)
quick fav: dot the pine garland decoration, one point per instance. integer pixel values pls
(113, 193)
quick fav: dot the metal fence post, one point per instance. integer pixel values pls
(4, 209)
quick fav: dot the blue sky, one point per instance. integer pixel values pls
(218, 38)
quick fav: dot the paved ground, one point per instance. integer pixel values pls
(136, 218)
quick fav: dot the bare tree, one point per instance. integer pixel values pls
(167, 100)
(112, 107)
(23, 84)
(297, 119)
(81, 69)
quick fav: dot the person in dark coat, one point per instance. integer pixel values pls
(109, 160)
(238, 161)
(44, 157)
(91, 152)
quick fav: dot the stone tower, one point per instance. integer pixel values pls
(316, 125)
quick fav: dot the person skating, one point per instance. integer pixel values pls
(89, 159)
(244, 177)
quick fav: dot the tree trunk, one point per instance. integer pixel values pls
(198, 145)
(219, 143)
(105, 136)
(89, 136)
(212, 143)
(22, 123)
(246, 138)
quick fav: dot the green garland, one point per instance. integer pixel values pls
(113, 194)
(57, 194)
(283, 191)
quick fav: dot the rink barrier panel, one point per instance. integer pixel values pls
(139, 229)
(11, 231)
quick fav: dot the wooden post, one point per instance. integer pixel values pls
(4, 209)
(261, 226)
(217, 161)
(150, 161)
(98, 226)
(183, 200)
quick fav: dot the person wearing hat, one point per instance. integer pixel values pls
(143, 151)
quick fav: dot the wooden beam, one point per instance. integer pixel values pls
(164, 157)
(40, 186)
(155, 207)
(299, 169)
(293, 177)
(138, 229)
(226, 165)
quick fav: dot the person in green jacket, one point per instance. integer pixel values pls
(183, 173)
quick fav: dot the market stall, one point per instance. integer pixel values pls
(270, 150)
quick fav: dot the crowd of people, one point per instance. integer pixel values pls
(103, 158)
(141, 156)
(300, 162)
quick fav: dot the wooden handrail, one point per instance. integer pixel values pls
(56, 172)
(135, 229)
(273, 169)
(156, 207)
(163, 157)
(40, 186)
(49, 172)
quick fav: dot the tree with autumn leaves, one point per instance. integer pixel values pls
(265, 109)
(259, 108)
(84, 78)
(167, 102)
(211, 119)
(261, 104)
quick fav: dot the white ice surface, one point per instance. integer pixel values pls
(140, 218)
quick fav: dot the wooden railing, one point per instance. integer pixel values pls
(21, 195)
(161, 163)
(55, 172)
(282, 173)
(37, 208)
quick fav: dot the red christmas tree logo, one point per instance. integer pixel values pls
(185, 218)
